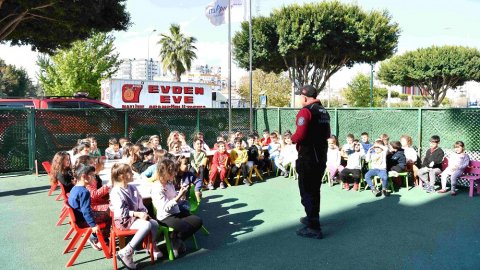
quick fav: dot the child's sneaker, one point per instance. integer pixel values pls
(376, 192)
(385, 193)
(355, 186)
(222, 185)
(125, 255)
(94, 243)
(246, 182)
(210, 187)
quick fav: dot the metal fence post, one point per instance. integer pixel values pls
(336, 123)
(419, 129)
(255, 119)
(279, 121)
(31, 139)
(198, 120)
(125, 133)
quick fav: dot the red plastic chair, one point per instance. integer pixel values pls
(116, 232)
(86, 232)
(472, 174)
(63, 212)
(48, 168)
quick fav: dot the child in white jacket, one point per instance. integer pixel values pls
(288, 155)
(457, 163)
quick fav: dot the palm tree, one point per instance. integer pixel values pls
(177, 51)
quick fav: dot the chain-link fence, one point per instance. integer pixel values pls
(27, 135)
(14, 147)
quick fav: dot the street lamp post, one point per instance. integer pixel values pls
(149, 77)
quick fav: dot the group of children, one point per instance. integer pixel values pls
(92, 201)
(385, 159)
(172, 172)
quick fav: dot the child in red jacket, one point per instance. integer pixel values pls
(219, 165)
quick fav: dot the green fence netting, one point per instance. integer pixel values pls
(27, 135)
(14, 154)
(60, 129)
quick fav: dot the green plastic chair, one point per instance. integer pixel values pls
(292, 172)
(194, 204)
(404, 176)
(378, 183)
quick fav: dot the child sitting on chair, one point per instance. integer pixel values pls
(113, 151)
(288, 155)
(219, 165)
(130, 213)
(334, 158)
(353, 171)
(239, 159)
(185, 177)
(198, 160)
(165, 199)
(79, 201)
(274, 148)
(457, 163)
(378, 167)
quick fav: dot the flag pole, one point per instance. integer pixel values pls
(229, 70)
(250, 69)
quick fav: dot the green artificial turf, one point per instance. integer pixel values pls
(253, 227)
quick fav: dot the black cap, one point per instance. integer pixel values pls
(307, 90)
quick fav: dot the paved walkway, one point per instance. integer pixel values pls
(254, 228)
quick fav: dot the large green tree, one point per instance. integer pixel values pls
(314, 41)
(48, 25)
(434, 70)
(80, 68)
(177, 51)
(357, 93)
(14, 81)
(270, 84)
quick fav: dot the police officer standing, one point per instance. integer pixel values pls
(313, 130)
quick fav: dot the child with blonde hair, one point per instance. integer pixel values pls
(334, 158)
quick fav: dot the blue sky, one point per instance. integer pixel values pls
(423, 23)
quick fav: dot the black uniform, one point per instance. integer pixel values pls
(313, 130)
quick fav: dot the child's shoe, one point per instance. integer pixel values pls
(210, 186)
(246, 182)
(346, 186)
(453, 193)
(125, 255)
(94, 243)
(442, 191)
(157, 254)
(222, 185)
(385, 193)
(355, 186)
(376, 192)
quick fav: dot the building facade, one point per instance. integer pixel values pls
(138, 69)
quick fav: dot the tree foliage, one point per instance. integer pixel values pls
(435, 70)
(314, 41)
(14, 81)
(177, 51)
(80, 68)
(48, 25)
(357, 93)
(275, 86)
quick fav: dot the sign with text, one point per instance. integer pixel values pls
(156, 94)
